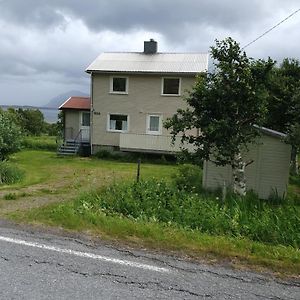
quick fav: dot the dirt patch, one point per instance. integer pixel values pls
(64, 188)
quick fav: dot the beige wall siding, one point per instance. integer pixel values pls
(143, 98)
(268, 173)
(72, 122)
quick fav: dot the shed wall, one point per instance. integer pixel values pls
(268, 173)
(72, 122)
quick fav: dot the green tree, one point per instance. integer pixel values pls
(284, 104)
(31, 121)
(10, 136)
(225, 105)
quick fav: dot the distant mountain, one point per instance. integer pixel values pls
(60, 99)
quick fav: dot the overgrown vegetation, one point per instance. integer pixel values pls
(9, 173)
(158, 201)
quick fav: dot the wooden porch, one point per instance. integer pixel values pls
(151, 143)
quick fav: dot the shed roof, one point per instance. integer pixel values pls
(81, 103)
(271, 132)
(139, 62)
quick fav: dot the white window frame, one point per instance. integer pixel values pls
(148, 131)
(81, 118)
(170, 95)
(111, 85)
(115, 130)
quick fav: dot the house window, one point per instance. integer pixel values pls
(85, 119)
(118, 122)
(154, 124)
(171, 86)
(119, 85)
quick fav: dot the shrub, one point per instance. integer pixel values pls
(105, 154)
(10, 196)
(9, 173)
(134, 156)
(10, 136)
(189, 178)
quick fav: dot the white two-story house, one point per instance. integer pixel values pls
(133, 93)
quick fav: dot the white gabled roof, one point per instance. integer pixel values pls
(139, 62)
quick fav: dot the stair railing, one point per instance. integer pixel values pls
(78, 139)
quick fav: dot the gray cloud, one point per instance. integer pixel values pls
(167, 16)
(52, 42)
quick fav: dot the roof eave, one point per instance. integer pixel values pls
(144, 72)
(73, 108)
(271, 132)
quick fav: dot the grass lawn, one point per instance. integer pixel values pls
(44, 167)
(64, 178)
(49, 176)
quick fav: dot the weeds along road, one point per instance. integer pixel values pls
(36, 265)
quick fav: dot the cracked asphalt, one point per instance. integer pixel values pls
(28, 272)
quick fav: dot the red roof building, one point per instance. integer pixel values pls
(77, 103)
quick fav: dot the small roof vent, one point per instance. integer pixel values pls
(150, 47)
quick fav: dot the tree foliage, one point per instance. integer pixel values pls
(10, 135)
(284, 96)
(31, 122)
(284, 104)
(224, 105)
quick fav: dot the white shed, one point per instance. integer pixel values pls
(269, 173)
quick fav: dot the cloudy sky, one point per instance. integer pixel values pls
(45, 45)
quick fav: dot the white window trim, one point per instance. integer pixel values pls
(170, 95)
(148, 131)
(115, 130)
(111, 91)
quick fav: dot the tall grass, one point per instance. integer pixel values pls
(10, 173)
(158, 201)
(42, 142)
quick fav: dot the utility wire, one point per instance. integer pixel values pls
(296, 11)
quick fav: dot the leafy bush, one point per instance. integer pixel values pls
(158, 201)
(10, 136)
(9, 173)
(189, 178)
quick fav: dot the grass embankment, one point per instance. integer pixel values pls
(80, 216)
(176, 216)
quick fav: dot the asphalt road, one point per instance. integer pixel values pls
(36, 265)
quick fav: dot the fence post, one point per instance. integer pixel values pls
(138, 170)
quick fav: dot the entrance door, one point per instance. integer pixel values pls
(85, 126)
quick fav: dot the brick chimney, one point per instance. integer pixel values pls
(150, 47)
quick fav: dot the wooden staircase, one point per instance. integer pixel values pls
(69, 148)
